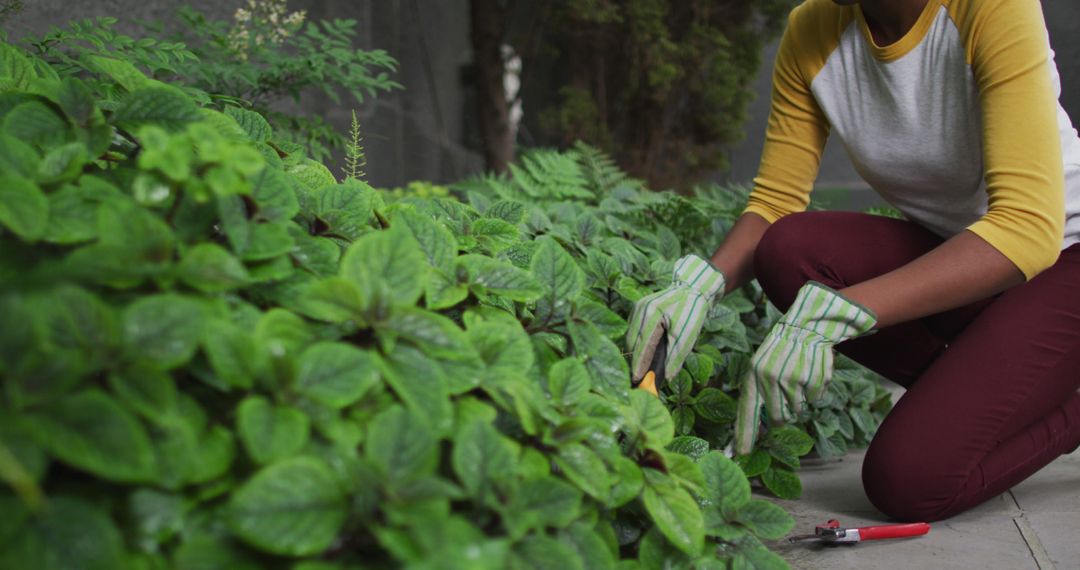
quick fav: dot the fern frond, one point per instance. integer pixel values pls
(549, 174)
(601, 173)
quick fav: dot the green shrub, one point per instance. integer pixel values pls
(214, 355)
(261, 57)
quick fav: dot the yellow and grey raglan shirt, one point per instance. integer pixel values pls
(957, 124)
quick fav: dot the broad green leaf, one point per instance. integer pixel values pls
(863, 420)
(401, 446)
(334, 300)
(481, 455)
(584, 468)
(494, 235)
(684, 471)
(647, 415)
(293, 508)
(388, 264)
(24, 209)
(675, 513)
(783, 483)
(208, 552)
(603, 359)
(751, 554)
(693, 447)
(215, 452)
(211, 269)
(500, 278)
(320, 256)
(156, 517)
(62, 163)
(163, 329)
(507, 211)
(270, 432)
(144, 236)
(657, 553)
(72, 216)
(755, 463)
(443, 292)
(588, 545)
(421, 385)
(560, 276)
(15, 66)
(256, 127)
(311, 174)
(716, 406)
(75, 319)
(274, 196)
(568, 382)
(35, 123)
(91, 432)
(233, 220)
(353, 198)
(765, 519)
(147, 391)
(121, 71)
(787, 443)
(336, 374)
(438, 336)
(726, 487)
(503, 346)
(609, 322)
(282, 333)
(165, 106)
(268, 240)
(545, 501)
(539, 552)
(234, 357)
(436, 241)
(790, 438)
(68, 534)
(17, 158)
(629, 481)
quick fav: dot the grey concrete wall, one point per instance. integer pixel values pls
(1063, 21)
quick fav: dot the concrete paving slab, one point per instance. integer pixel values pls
(1055, 489)
(986, 537)
(1059, 535)
(985, 543)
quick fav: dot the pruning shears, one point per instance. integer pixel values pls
(654, 378)
(832, 533)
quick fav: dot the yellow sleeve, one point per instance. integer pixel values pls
(797, 127)
(1009, 52)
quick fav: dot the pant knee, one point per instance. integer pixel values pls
(906, 490)
(784, 259)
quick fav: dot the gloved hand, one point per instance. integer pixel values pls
(795, 361)
(678, 311)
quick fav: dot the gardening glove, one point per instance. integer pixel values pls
(678, 312)
(795, 361)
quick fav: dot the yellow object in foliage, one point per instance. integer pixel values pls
(648, 383)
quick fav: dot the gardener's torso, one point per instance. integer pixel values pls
(909, 116)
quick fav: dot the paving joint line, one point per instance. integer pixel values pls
(1031, 538)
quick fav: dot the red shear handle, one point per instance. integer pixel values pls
(893, 531)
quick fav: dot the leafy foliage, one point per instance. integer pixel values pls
(260, 57)
(215, 355)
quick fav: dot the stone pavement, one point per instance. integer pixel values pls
(1036, 525)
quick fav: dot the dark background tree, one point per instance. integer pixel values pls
(661, 84)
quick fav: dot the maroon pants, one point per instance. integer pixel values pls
(991, 387)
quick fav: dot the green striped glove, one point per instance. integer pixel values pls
(795, 361)
(679, 310)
